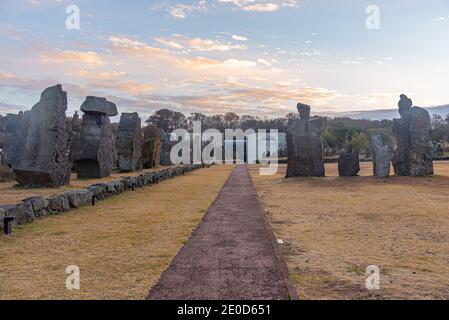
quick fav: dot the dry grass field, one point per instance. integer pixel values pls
(334, 228)
(121, 246)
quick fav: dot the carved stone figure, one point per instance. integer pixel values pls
(94, 154)
(415, 152)
(305, 145)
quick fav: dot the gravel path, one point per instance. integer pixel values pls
(231, 255)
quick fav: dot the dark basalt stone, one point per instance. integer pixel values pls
(305, 145)
(348, 164)
(98, 105)
(36, 142)
(94, 155)
(151, 147)
(129, 142)
(414, 153)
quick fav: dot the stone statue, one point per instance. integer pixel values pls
(305, 145)
(129, 142)
(382, 155)
(36, 142)
(414, 153)
(349, 163)
(94, 154)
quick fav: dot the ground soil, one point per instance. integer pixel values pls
(334, 228)
(121, 246)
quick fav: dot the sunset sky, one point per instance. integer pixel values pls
(213, 56)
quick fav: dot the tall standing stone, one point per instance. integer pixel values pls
(151, 147)
(166, 146)
(94, 155)
(305, 145)
(382, 155)
(36, 142)
(414, 153)
(5, 171)
(129, 142)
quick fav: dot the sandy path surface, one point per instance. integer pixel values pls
(230, 255)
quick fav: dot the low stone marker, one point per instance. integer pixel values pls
(348, 164)
(39, 207)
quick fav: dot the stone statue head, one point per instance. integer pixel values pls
(304, 111)
(350, 149)
(404, 104)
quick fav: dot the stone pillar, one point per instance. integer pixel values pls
(94, 155)
(36, 142)
(381, 153)
(305, 145)
(166, 146)
(151, 147)
(414, 153)
(129, 142)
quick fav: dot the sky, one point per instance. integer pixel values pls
(257, 57)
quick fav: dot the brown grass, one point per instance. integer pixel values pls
(11, 193)
(121, 246)
(333, 228)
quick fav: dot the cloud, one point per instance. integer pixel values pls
(198, 44)
(181, 10)
(239, 38)
(260, 5)
(439, 19)
(80, 57)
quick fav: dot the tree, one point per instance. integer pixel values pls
(231, 120)
(168, 120)
(360, 142)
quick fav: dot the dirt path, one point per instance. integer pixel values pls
(231, 255)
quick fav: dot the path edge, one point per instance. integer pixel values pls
(148, 296)
(280, 259)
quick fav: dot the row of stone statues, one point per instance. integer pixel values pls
(412, 154)
(42, 146)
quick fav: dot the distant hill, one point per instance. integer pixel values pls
(385, 113)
